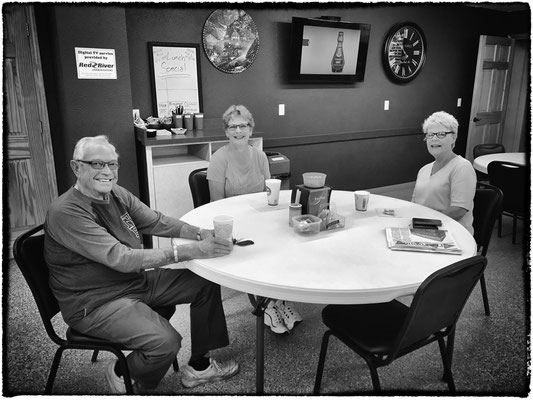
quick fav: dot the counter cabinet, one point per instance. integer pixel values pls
(165, 164)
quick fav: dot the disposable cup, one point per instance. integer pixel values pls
(361, 200)
(223, 226)
(272, 188)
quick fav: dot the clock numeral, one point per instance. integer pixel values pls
(416, 43)
(403, 71)
(412, 34)
(416, 52)
(405, 32)
(396, 68)
(415, 63)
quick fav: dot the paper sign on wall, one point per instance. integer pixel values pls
(96, 63)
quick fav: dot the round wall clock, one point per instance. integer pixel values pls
(231, 40)
(404, 52)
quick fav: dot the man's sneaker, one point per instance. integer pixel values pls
(115, 382)
(215, 372)
(289, 315)
(273, 319)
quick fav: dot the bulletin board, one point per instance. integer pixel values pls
(176, 80)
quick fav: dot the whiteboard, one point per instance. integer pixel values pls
(175, 69)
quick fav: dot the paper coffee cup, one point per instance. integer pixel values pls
(361, 199)
(188, 121)
(272, 188)
(199, 121)
(223, 226)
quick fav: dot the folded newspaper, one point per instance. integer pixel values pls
(427, 240)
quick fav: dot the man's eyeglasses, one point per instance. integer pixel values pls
(243, 127)
(97, 164)
(440, 135)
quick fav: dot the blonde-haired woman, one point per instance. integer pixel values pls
(238, 168)
(447, 184)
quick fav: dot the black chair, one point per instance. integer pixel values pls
(381, 333)
(483, 149)
(28, 253)
(488, 148)
(199, 187)
(487, 206)
(511, 179)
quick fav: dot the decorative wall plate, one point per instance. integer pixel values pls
(231, 40)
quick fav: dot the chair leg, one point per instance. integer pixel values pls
(484, 294)
(175, 365)
(374, 376)
(53, 371)
(500, 225)
(321, 361)
(125, 371)
(514, 229)
(446, 352)
(94, 358)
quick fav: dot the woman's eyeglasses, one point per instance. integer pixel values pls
(97, 164)
(440, 135)
(242, 127)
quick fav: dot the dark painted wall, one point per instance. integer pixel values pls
(341, 130)
(86, 107)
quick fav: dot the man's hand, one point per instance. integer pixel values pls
(213, 247)
(209, 247)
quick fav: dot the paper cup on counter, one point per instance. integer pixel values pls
(199, 121)
(188, 121)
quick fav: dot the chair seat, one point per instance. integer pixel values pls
(374, 327)
(73, 336)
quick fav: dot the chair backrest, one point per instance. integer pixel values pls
(28, 251)
(488, 202)
(511, 179)
(488, 148)
(439, 301)
(199, 187)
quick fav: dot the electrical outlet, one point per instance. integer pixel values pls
(386, 105)
(459, 100)
(281, 109)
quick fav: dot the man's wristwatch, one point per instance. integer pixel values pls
(198, 236)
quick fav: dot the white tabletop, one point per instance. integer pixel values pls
(481, 163)
(343, 266)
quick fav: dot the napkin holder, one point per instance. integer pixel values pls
(312, 200)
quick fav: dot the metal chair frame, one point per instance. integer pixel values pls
(488, 202)
(381, 333)
(28, 253)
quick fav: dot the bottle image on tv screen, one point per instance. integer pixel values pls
(337, 62)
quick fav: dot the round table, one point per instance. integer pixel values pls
(481, 163)
(344, 266)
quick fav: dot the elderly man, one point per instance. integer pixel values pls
(106, 283)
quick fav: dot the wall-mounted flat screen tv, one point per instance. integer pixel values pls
(329, 51)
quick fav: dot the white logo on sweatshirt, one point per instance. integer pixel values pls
(129, 224)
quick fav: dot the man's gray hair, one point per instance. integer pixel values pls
(83, 143)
